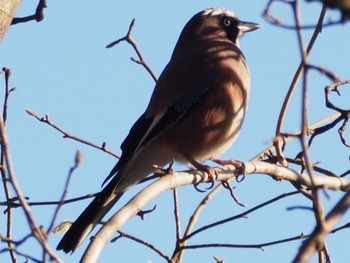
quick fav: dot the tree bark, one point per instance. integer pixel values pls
(8, 9)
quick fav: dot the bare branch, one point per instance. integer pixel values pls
(37, 233)
(5, 181)
(239, 216)
(226, 184)
(345, 113)
(187, 178)
(276, 21)
(262, 245)
(316, 239)
(328, 73)
(177, 216)
(278, 143)
(37, 16)
(77, 161)
(140, 241)
(48, 121)
(128, 38)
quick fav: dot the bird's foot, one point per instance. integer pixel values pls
(160, 171)
(212, 173)
(239, 165)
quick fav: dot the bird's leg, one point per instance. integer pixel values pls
(212, 173)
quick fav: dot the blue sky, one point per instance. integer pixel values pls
(61, 67)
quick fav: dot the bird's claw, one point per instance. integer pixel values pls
(212, 176)
(240, 167)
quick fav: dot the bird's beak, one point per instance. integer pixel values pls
(247, 26)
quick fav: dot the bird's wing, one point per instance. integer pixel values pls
(148, 128)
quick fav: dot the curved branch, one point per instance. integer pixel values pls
(177, 179)
(278, 143)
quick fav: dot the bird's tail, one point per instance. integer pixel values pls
(86, 222)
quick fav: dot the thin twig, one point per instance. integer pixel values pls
(297, 75)
(128, 38)
(194, 217)
(276, 21)
(261, 245)
(295, 135)
(26, 256)
(3, 170)
(142, 213)
(269, 16)
(226, 184)
(7, 92)
(328, 73)
(177, 215)
(239, 216)
(13, 204)
(48, 121)
(178, 227)
(37, 233)
(345, 113)
(138, 240)
(77, 161)
(316, 202)
(316, 239)
(315, 167)
(320, 130)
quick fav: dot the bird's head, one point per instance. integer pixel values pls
(216, 24)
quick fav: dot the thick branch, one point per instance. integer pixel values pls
(177, 179)
(7, 11)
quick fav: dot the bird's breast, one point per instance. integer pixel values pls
(214, 122)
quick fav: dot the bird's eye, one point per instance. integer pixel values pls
(227, 22)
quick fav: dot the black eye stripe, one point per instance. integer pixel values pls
(229, 25)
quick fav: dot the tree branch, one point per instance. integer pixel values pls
(37, 16)
(48, 121)
(178, 179)
(128, 38)
(315, 241)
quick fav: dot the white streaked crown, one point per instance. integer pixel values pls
(215, 11)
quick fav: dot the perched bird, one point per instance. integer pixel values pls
(195, 113)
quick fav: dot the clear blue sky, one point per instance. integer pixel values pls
(61, 67)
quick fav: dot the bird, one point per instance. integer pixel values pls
(195, 113)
